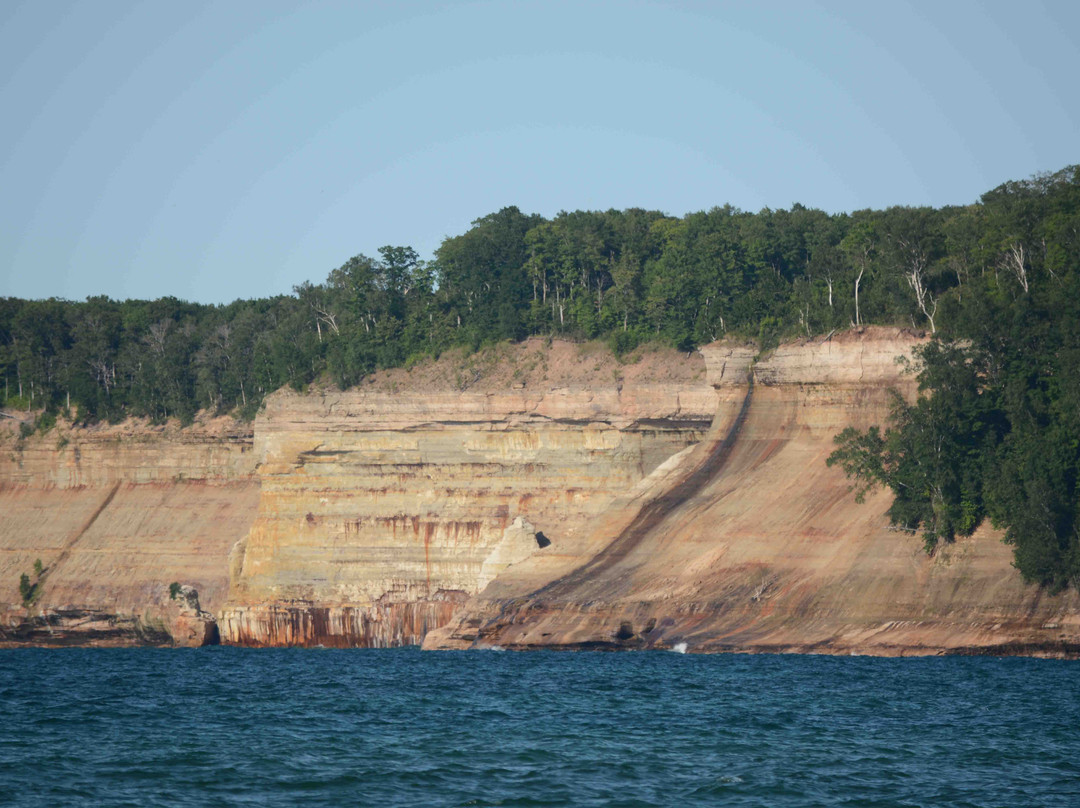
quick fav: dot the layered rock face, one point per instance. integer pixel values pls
(539, 495)
(750, 542)
(115, 515)
(381, 513)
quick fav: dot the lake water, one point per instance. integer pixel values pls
(239, 727)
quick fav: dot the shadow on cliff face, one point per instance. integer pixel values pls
(651, 515)
(84, 627)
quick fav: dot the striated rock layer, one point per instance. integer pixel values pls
(749, 542)
(115, 515)
(536, 495)
(382, 512)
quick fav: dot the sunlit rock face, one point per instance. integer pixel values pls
(542, 495)
(749, 541)
(381, 513)
(115, 515)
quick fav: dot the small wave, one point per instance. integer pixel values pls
(679, 648)
(490, 648)
(717, 785)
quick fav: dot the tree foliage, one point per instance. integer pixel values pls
(995, 430)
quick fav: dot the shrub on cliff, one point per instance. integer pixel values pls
(27, 591)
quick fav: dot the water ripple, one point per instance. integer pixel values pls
(236, 727)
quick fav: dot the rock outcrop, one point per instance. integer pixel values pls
(382, 512)
(115, 515)
(750, 542)
(537, 495)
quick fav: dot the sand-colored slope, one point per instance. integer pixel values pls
(756, 545)
(115, 516)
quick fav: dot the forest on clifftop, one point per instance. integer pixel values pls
(996, 432)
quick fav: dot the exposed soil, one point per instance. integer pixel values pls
(205, 427)
(538, 363)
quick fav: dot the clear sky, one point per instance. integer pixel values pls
(219, 150)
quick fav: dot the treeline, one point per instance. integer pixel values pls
(625, 276)
(106, 359)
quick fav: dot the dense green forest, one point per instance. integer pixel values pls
(996, 432)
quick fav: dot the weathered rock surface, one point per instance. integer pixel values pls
(749, 542)
(382, 512)
(540, 495)
(115, 515)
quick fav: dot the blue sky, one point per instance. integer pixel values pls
(212, 151)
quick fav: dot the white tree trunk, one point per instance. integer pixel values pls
(858, 280)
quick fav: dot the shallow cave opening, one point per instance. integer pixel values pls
(541, 539)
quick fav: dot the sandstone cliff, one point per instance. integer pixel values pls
(749, 542)
(115, 515)
(537, 495)
(382, 511)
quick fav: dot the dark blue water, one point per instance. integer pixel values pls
(226, 726)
